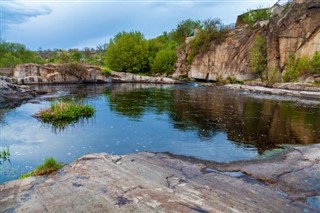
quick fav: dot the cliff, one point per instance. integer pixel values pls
(293, 29)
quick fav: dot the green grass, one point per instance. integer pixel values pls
(62, 113)
(49, 165)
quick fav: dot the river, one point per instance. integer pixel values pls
(209, 123)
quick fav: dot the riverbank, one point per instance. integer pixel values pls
(153, 182)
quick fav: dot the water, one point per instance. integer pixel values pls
(206, 123)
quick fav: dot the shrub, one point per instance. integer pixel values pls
(297, 67)
(128, 52)
(106, 71)
(316, 63)
(49, 165)
(164, 61)
(259, 14)
(258, 58)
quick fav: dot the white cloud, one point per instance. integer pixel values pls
(67, 24)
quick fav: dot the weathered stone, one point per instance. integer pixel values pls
(132, 78)
(280, 89)
(148, 182)
(52, 73)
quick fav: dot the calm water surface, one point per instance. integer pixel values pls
(207, 123)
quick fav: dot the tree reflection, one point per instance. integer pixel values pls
(247, 121)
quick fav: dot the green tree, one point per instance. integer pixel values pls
(128, 52)
(184, 29)
(258, 58)
(164, 61)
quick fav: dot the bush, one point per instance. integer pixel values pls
(297, 67)
(252, 16)
(316, 63)
(164, 61)
(258, 58)
(106, 71)
(49, 165)
(185, 29)
(128, 52)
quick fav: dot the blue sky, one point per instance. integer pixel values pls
(76, 24)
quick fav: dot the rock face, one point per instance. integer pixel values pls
(293, 29)
(148, 182)
(50, 73)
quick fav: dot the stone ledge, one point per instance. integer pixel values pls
(150, 182)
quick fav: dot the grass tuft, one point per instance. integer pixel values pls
(62, 113)
(49, 165)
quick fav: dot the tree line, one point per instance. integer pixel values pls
(126, 51)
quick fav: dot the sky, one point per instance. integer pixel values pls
(65, 24)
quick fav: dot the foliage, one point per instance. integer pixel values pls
(106, 71)
(258, 58)
(12, 54)
(316, 63)
(213, 31)
(164, 61)
(259, 14)
(184, 29)
(49, 165)
(62, 113)
(297, 67)
(128, 52)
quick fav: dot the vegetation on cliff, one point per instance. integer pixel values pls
(258, 58)
(252, 16)
(212, 31)
(304, 66)
(49, 165)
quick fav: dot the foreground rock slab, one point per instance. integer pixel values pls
(148, 182)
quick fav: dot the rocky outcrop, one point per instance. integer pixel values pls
(293, 29)
(12, 94)
(148, 182)
(133, 78)
(53, 73)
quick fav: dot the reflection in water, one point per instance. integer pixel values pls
(206, 123)
(246, 120)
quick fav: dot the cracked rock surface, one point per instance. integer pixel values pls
(159, 182)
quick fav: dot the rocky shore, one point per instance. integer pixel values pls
(159, 182)
(283, 89)
(12, 94)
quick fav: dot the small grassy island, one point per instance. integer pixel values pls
(62, 113)
(49, 165)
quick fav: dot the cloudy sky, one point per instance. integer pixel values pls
(79, 23)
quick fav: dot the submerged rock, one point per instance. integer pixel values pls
(149, 182)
